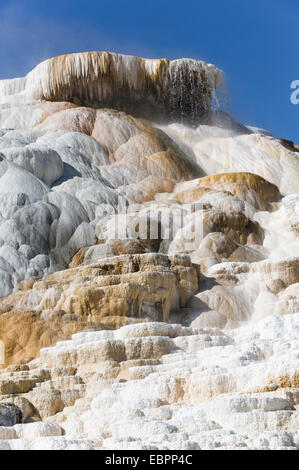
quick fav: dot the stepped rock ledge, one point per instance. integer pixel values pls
(149, 263)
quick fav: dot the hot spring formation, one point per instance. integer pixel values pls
(149, 270)
(180, 89)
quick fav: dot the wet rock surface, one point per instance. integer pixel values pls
(149, 276)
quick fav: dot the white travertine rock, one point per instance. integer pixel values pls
(203, 390)
(291, 205)
(41, 161)
(209, 245)
(68, 168)
(218, 151)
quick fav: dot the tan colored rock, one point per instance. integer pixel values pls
(191, 195)
(24, 333)
(101, 79)
(29, 413)
(149, 348)
(223, 248)
(70, 120)
(136, 150)
(234, 225)
(276, 285)
(47, 401)
(147, 189)
(110, 293)
(246, 186)
(286, 270)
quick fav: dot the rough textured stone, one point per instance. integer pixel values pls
(111, 292)
(165, 386)
(9, 415)
(116, 216)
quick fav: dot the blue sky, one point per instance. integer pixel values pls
(256, 43)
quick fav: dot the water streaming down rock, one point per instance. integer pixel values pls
(226, 374)
(221, 145)
(182, 88)
(188, 81)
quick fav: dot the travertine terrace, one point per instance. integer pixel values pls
(149, 270)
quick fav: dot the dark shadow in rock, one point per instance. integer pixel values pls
(10, 415)
(69, 172)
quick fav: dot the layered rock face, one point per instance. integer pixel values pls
(59, 183)
(160, 386)
(125, 289)
(159, 88)
(149, 265)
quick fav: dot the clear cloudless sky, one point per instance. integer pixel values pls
(256, 43)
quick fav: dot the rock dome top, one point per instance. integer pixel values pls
(179, 89)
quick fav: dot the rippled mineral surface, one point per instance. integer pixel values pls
(149, 263)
